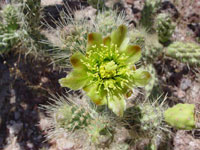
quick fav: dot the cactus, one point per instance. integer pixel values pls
(10, 18)
(99, 4)
(164, 27)
(72, 33)
(181, 116)
(151, 119)
(72, 118)
(105, 73)
(151, 48)
(31, 19)
(100, 131)
(145, 119)
(66, 112)
(120, 146)
(31, 8)
(152, 53)
(148, 13)
(32, 11)
(138, 36)
(9, 28)
(153, 89)
(20, 28)
(184, 52)
(109, 20)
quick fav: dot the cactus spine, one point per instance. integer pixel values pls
(151, 117)
(153, 90)
(96, 3)
(184, 52)
(145, 119)
(100, 130)
(149, 10)
(72, 118)
(10, 17)
(20, 27)
(164, 27)
(9, 28)
(72, 33)
(151, 48)
(70, 115)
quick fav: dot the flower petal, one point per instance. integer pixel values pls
(124, 44)
(118, 36)
(98, 97)
(94, 39)
(77, 79)
(76, 60)
(134, 53)
(107, 41)
(141, 77)
(117, 104)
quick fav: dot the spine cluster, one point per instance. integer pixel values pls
(184, 52)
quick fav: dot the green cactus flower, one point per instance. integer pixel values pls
(106, 72)
(181, 116)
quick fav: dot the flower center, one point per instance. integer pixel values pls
(108, 69)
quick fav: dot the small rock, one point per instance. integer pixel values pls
(15, 128)
(12, 92)
(24, 105)
(17, 115)
(26, 125)
(185, 84)
(44, 79)
(50, 2)
(1, 140)
(13, 145)
(12, 121)
(29, 132)
(180, 93)
(39, 137)
(13, 96)
(130, 2)
(44, 124)
(195, 90)
(29, 145)
(184, 141)
(84, 13)
(193, 95)
(64, 144)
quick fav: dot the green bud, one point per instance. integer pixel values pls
(181, 116)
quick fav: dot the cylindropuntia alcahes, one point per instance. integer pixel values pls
(106, 72)
(184, 52)
(164, 27)
(181, 116)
